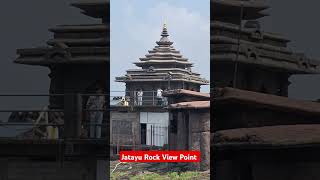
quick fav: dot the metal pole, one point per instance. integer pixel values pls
(235, 73)
(169, 79)
(151, 136)
(153, 94)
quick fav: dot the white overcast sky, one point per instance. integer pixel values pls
(136, 25)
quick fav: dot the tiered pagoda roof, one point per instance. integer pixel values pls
(226, 9)
(162, 60)
(259, 48)
(74, 43)
(94, 8)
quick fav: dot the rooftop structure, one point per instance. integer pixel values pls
(162, 67)
(191, 105)
(229, 10)
(94, 8)
(73, 44)
(242, 49)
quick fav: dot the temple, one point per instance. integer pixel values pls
(146, 123)
(164, 67)
(57, 141)
(256, 128)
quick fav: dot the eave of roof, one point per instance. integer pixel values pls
(93, 8)
(126, 80)
(234, 28)
(184, 92)
(268, 137)
(255, 100)
(191, 105)
(252, 9)
(80, 28)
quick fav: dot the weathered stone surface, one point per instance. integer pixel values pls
(205, 150)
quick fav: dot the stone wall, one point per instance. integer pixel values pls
(200, 136)
(193, 133)
(125, 128)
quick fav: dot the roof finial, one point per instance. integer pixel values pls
(164, 39)
(165, 25)
(164, 30)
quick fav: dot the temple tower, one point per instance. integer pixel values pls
(77, 55)
(248, 58)
(163, 67)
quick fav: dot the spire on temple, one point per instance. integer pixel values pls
(164, 30)
(164, 41)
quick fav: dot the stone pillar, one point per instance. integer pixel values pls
(195, 146)
(204, 128)
(205, 151)
(180, 132)
(73, 116)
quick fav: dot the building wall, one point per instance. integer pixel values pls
(125, 128)
(192, 133)
(157, 127)
(200, 136)
(23, 169)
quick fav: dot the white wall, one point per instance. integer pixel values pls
(157, 127)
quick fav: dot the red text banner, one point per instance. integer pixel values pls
(159, 156)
